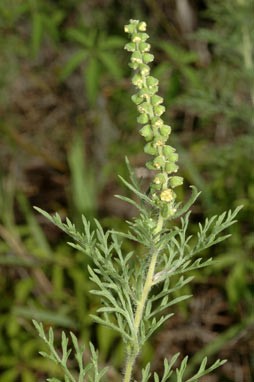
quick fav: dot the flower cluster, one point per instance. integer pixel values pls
(155, 131)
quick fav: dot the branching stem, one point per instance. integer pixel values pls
(141, 305)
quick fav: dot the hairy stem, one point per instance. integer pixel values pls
(141, 305)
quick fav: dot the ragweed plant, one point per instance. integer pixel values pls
(132, 303)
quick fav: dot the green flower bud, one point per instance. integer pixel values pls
(143, 36)
(144, 93)
(157, 122)
(136, 99)
(171, 167)
(168, 150)
(133, 65)
(173, 157)
(149, 149)
(150, 105)
(147, 57)
(146, 132)
(151, 81)
(144, 47)
(153, 89)
(136, 57)
(143, 118)
(168, 211)
(165, 130)
(130, 28)
(159, 110)
(155, 187)
(159, 140)
(150, 165)
(145, 107)
(130, 47)
(156, 100)
(159, 179)
(144, 69)
(142, 26)
(159, 161)
(136, 37)
(137, 80)
(176, 181)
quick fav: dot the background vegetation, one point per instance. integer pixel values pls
(66, 124)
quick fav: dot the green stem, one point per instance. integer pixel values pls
(141, 305)
(129, 366)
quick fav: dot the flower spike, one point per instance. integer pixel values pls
(155, 131)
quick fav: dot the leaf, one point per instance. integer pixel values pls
(113, 42)
(79, 37)
(187, 206)
(13, 260)
(92, 77)
(34, 227)
(103, 372)
(178, 54)
(84, 202)
(46, 355)
(37, 31)
(50, 27)
(141, 195)
(110, 325)
(45, 214)
(172, 302)
(73, 64)
(46, 316)
(146, 373)
(10, 375)
(131, 201)
(111, 64)
(202, 371)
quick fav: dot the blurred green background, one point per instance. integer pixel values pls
(66, 123)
